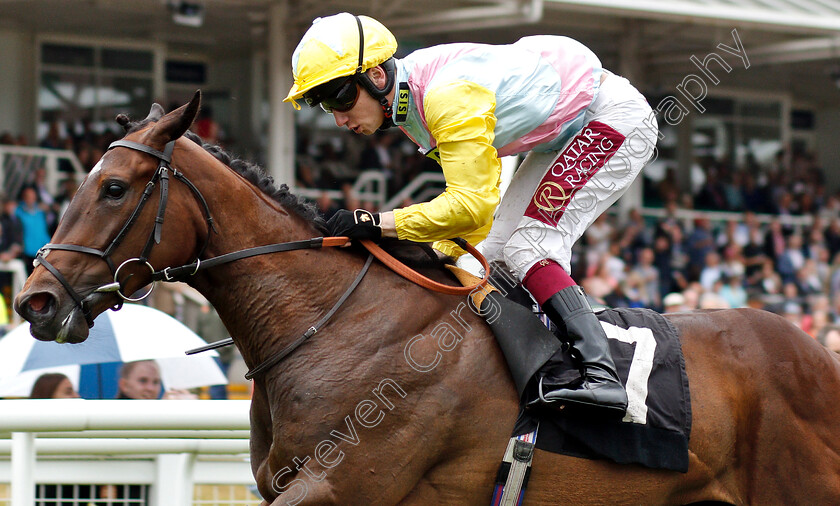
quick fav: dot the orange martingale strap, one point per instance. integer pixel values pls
(415, 277)
(334, 241)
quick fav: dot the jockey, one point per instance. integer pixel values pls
(588, 133)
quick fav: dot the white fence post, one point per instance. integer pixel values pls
(88, 442)
(23, 469)
(174, 480)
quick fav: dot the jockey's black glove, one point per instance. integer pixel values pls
(358, 224)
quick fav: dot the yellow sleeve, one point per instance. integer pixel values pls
(461, 117)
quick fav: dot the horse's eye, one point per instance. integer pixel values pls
(114, 190)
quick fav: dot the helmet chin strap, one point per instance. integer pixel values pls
(381, 94)
(388, 121)
(390, 76)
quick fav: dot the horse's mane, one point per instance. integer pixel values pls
(415, 255)
(256, 175)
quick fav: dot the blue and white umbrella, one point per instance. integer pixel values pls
(135, 332)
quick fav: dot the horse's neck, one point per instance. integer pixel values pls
(388, 361)
(265, 300)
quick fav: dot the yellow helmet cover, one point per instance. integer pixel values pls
(330, 49)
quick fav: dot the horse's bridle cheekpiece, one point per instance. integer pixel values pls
(161, 175)
(179, 273)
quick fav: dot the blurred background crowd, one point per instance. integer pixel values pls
(778, 249)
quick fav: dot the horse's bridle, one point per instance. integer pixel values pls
(177, 273)
(161, 175)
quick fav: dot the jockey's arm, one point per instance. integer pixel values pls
(461, 117)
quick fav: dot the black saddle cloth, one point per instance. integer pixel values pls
(655, 432)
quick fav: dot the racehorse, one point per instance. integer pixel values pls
(354, 415)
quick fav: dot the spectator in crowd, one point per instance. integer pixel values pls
(88, 154)
(53, 386)
(6, 138)
(829, 336)
(54, 138)
(206, 127)
(732, 290)
(334, 168)
(39, 182)
(792, 312)
(674, 302)
(662, 263)
(807, 279)
(11, 242)
(597, 239)
(712, 270)
(792, 258)
(210, 327)
(711, 195)
(327, 205)
(692, 296)
(648, 278)
(698, 244)
(818, 320)
(351, 200)
(753, 256)
(635, 234)
(774, 240)
(733, 262)
(141, 380)
(767, 280)
(33, 218)
(735, 232)
(378, 154)
(67, 191)
(308, 172)
(711, 300)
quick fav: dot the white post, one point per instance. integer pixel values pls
(630, 67)
(23, 469)
(258, 98)
(281, 130)
(174, 479)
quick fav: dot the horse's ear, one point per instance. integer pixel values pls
(174, 124)
(156, 112)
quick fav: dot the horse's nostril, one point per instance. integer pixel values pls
(40, 302)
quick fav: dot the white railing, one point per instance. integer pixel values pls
(170, 445)
(417, 190)
(19, 162)
(687, 216)
(369, 186)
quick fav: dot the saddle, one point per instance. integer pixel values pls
(648, 357)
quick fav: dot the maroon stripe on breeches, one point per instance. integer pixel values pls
(572, 169)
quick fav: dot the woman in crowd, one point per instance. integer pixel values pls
(53, 386)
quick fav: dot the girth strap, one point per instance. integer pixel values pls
(275, 359)
(515, 470)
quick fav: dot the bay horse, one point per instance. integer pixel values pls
(349, 417)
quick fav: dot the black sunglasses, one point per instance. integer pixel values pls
(337, 95)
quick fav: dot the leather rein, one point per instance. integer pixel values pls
(161, 176)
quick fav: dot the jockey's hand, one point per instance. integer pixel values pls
(358, 224)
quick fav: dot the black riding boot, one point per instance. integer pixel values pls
(600, 387)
